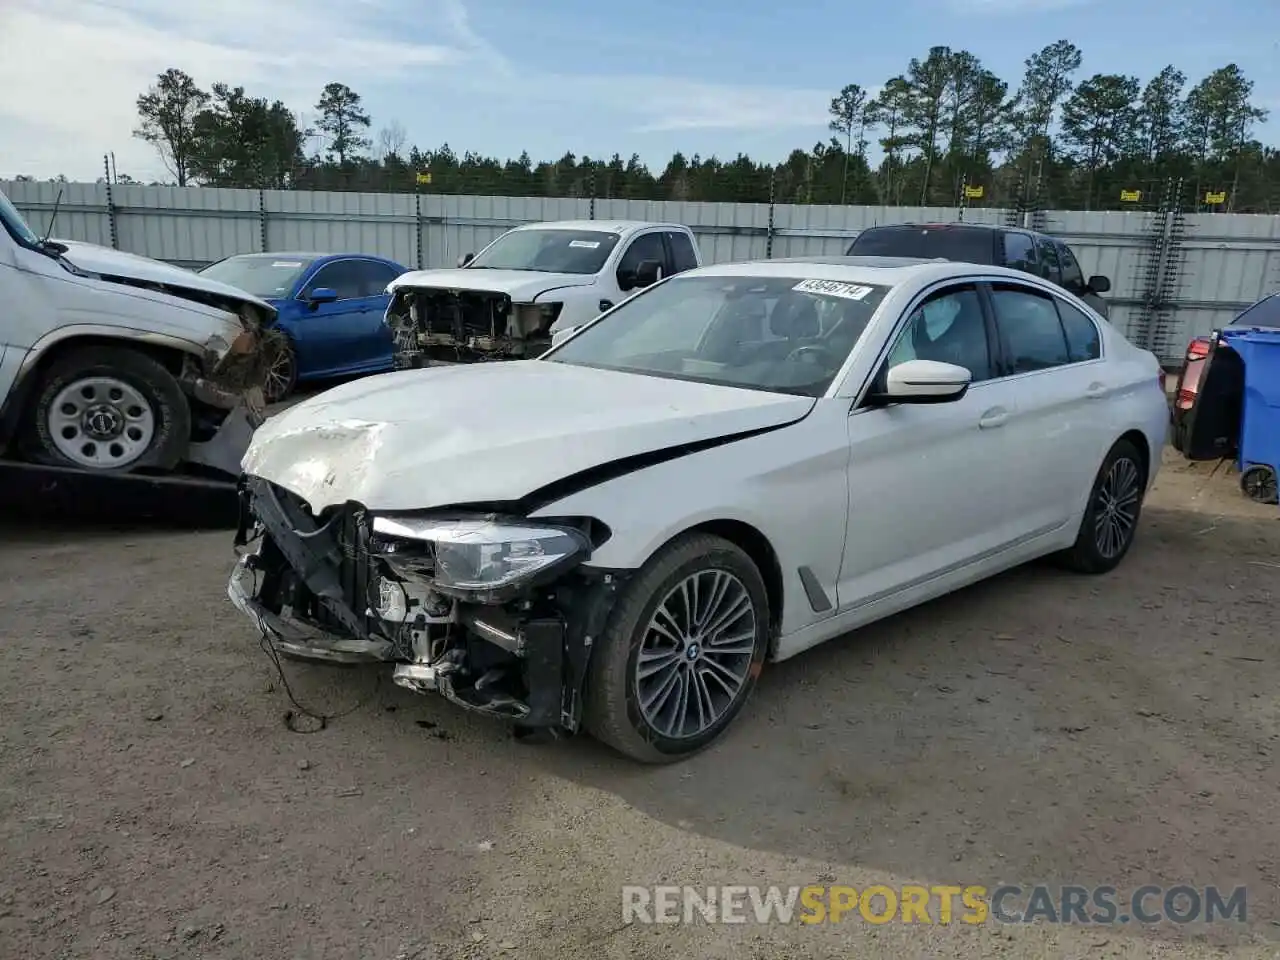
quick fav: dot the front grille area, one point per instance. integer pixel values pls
(355, 570)
(337, 541)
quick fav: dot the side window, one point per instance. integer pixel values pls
(1020, 253)
(344, 276)
(647, 246)
(1072, 276)
(1083, 340)
(1029, 325)
(948, 327)
(376, 277)
(1052, 270)
(682, 255)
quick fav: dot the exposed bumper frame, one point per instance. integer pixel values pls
(551, 648)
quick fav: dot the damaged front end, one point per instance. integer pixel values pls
(496, 614)
(225, 390)
(434, 324)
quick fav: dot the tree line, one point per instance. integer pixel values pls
(950, 132)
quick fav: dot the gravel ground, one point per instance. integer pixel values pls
(1040, 727)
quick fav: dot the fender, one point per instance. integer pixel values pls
(127, 334)
(25, 380)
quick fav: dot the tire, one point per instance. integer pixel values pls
(1122, 469)
(1258, 483)
(111, 409)
(282, 373)
(613, 711)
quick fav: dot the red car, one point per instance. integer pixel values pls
(1264, 313)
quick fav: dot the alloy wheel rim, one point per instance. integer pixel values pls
(695, 656)
(1116, 508)
(102, 423)
(279, 375)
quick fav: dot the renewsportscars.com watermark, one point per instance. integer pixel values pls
(973, 904)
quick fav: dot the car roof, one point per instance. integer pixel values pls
(603, 226)
(956, 224)
(304, 255)
(885, 271)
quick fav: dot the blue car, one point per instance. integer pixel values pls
(331, 307)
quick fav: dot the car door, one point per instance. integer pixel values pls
(1055, 426)
(645, 246)
(1020, 252)
(1050, 267)
(375, 346)
(1073, 279)
(927, 486)
(328, 334)
(680, 251)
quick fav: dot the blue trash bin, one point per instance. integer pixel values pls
(1259, 456)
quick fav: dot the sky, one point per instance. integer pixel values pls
(499, 76)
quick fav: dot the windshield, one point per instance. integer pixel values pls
(963, 244)
(1264, 313)
(781, 334)
(264, 277)
(548, 251)
(14, 224)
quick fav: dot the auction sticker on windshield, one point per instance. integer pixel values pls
(833, 288)
(584, 244)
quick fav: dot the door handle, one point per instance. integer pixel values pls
(1096, 391)
(995, 417)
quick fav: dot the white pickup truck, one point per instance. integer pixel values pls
(533, 283)
(115, 363)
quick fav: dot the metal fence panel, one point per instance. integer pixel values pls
(1220, 262)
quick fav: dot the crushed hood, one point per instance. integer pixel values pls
(522, 286)
(93, 258)
(490, 432)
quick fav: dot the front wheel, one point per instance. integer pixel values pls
(282, 372)
(109, 409)
(1111, 517)
(681, 653)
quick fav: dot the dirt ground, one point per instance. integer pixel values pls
(1040, 727)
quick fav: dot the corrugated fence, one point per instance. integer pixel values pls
(1172, 276)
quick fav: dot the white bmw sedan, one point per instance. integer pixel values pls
(731, 466)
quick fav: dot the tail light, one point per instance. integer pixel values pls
(1197, 349)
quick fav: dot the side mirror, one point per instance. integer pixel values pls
(922, 381)
(1099, 284)
(322, 295)
(560, 336)
(465, 259)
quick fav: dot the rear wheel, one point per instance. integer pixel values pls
(1259, 483)
(1111, 517)
(681, 653)
(109, 409)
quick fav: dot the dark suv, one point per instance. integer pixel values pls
(1025, 250)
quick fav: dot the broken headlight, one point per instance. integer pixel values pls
(483, 559)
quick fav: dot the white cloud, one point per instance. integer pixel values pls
(71, 72)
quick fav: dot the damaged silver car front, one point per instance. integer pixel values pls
(496, 613)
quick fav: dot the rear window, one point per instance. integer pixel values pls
(963, 244)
